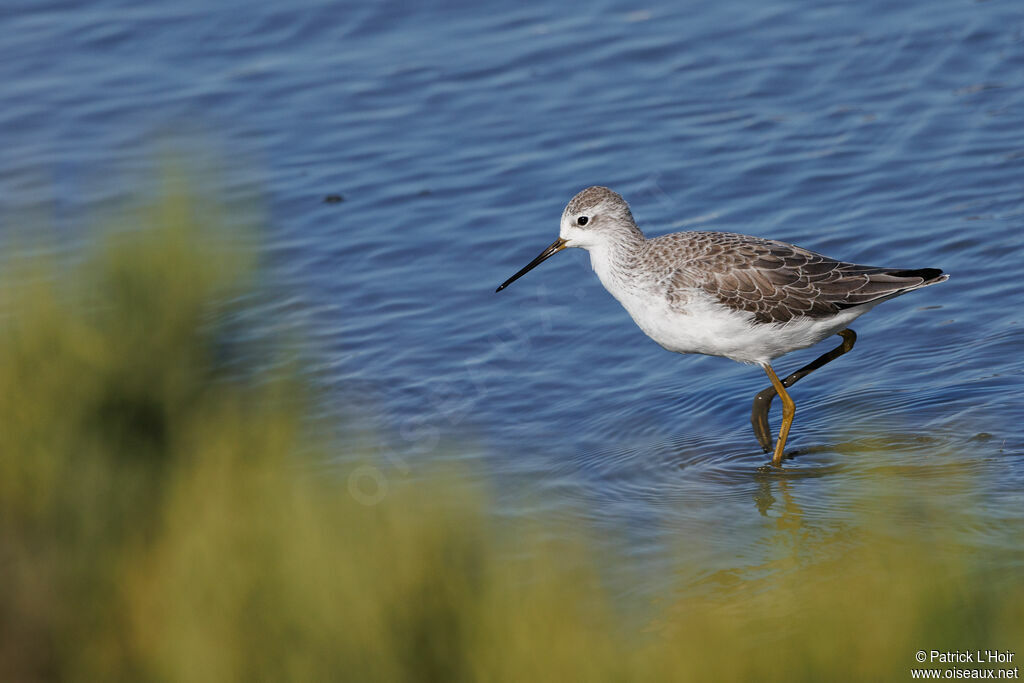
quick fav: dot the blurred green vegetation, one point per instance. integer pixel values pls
(155, 525)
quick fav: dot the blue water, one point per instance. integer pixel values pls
(881, 133)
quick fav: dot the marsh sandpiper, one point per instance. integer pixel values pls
(723, 294)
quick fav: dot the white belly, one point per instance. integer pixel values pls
(705, 326)
(710, 328)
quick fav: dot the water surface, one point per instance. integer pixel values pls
(455, 134)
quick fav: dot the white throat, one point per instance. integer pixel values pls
(609, 261)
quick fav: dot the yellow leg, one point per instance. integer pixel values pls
(788, 411)
(763, 401)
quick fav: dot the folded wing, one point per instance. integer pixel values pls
(778, 282)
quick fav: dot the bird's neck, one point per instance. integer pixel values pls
(614, 260)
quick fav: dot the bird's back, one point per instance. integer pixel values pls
(773, 281)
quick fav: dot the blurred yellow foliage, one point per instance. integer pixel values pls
(155, 525)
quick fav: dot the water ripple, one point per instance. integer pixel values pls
(456, 135)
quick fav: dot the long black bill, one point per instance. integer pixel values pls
(556, 246)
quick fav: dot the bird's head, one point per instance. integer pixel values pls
(594, 218)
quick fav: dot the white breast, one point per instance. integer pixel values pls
(705, 326)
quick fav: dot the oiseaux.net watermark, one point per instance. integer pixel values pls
(962, 664)
(450, 400)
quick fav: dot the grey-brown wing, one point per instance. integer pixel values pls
(777, 282)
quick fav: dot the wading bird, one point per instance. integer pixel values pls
(723, 294)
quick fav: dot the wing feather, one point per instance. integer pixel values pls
(776, 281)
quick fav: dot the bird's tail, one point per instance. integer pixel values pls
(885, 283)
(929, 276)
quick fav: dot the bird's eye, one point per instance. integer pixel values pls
(582, 220)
